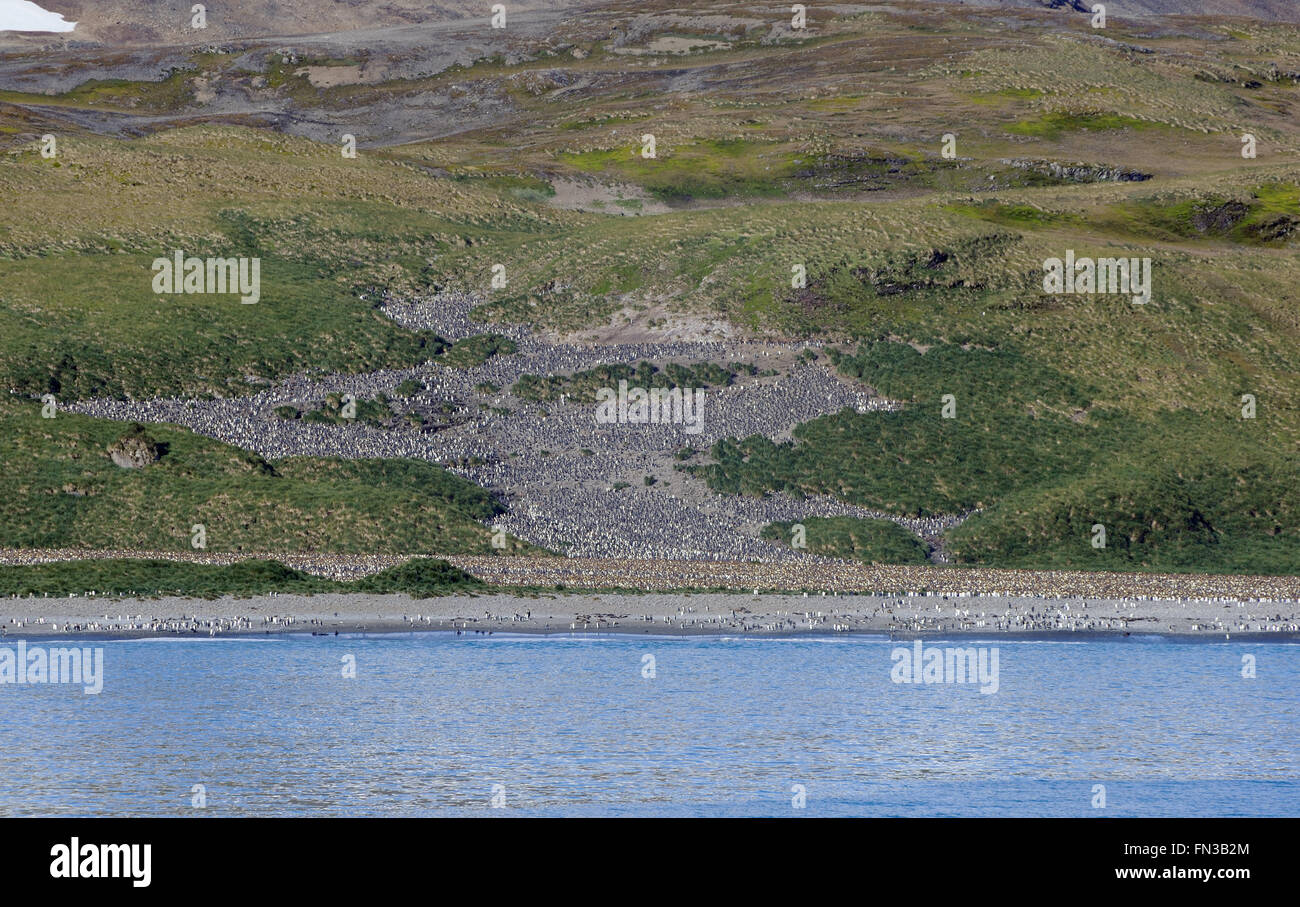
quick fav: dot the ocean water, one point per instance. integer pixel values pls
(438, 724)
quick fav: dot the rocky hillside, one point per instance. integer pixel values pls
(167, 22)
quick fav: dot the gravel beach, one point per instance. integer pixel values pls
(649, 613)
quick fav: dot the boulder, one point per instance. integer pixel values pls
(135, 450)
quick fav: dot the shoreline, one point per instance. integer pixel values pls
(650, 614)
(964, 636)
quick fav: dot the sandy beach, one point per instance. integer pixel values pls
(650, 613)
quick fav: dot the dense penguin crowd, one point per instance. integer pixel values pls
(570, 483)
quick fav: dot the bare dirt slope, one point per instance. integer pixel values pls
(167, 22)
(1266, 10)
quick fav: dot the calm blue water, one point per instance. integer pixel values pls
(568, 726)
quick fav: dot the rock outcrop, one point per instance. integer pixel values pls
(135, 449)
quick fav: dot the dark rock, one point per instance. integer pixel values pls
(135, 449)
(1080, 173)
(1220, 218)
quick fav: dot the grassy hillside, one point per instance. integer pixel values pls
(820, 153)
(60, 489)
(868, 541)
(418, 577)
(78, 314)
(1045, 458)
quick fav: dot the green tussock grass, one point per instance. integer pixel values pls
(61, 490)
(371, 227)
(376, 413)
(1267, 215)
(169, 94)
(706, 169)
(1057, 123)
(864, 540)
(418, 578)
(1010, 215)
(709, 169)
(1044, 460)
(1070, 410)
(76, 343)
(471, 352)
